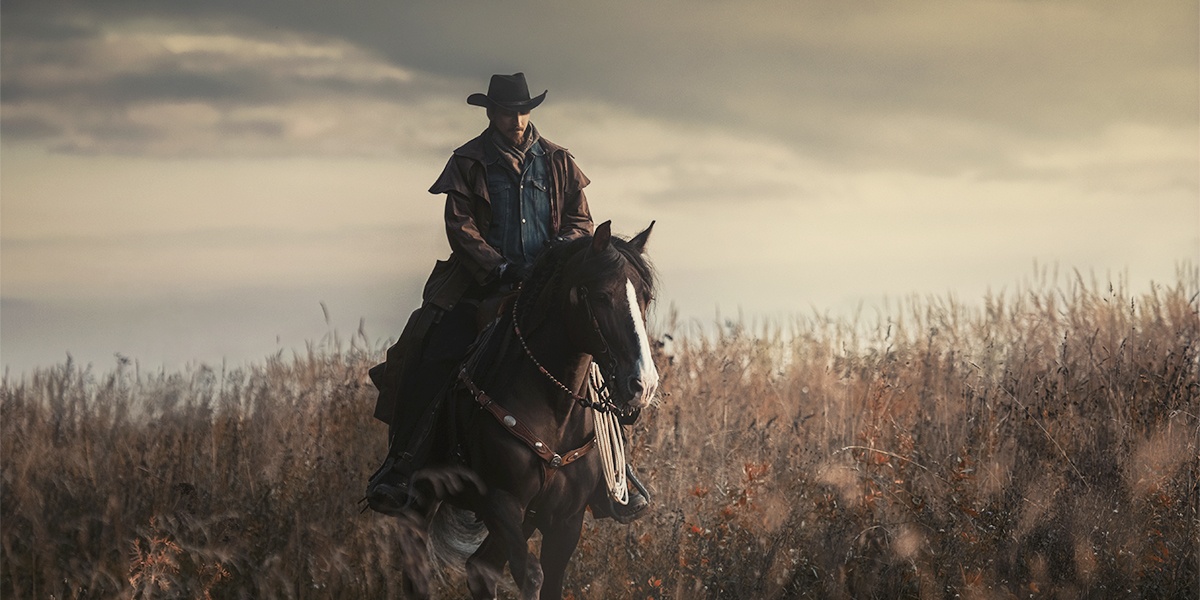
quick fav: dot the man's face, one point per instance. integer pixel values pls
(509, 123)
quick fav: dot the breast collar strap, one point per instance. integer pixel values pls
(520, 431)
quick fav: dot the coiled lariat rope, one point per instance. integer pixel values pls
(609, 442)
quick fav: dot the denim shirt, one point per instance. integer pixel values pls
(520, 209)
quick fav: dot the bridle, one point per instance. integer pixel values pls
(608, 364)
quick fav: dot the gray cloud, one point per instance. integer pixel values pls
(863, 147)
(691, 191)
(169, 86)
(267, 128)
(27, 128)
(932, 86)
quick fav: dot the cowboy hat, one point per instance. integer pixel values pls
(509, 92)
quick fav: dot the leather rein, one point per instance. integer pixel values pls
(605, 405)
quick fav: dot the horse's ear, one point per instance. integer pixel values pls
(639, 240)
(602, 237)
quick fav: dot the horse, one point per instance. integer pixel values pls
(520, 414)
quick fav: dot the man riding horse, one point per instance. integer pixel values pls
(509, 194)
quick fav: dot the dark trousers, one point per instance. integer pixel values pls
(414, 438)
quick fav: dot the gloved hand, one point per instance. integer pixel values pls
(513, 274)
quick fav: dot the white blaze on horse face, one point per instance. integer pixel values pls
(646, 372)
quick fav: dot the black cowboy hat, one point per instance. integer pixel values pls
(508, 92)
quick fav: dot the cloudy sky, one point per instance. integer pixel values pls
(190, 181)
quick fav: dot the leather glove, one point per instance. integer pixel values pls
(513, 274)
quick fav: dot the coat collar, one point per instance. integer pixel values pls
(476, 148)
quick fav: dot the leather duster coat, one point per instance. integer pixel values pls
(469, 215)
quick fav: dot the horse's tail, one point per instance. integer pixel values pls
(455, 534)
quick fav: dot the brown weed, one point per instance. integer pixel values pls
(1043, 444)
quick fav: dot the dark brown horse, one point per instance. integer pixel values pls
(521, 414)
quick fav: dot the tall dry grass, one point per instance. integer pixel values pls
(1044, 445)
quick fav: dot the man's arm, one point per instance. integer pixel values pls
(576, 217)
(576, 220)
(466, 240)
(480, 258)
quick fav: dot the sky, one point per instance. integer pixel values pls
(193, 182)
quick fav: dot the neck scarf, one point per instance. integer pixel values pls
(511, 155)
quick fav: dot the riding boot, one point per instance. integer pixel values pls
(639, 500)
(389, 489)
(634, 508)
(413, 435)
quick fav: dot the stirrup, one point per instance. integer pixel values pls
(393, 496)
(638, 502)
(637, 484)
(632, 510)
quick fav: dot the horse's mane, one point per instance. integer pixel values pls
(559, 266)
(566, 264)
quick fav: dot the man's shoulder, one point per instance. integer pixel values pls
(457, 174)
(566, 161)
(552, 148)
(473, 149)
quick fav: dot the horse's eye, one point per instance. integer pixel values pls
(604, 298)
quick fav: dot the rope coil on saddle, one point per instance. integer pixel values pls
(609, 442)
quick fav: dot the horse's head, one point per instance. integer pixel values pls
(609, 286)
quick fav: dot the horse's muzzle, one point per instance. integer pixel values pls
(641, 387)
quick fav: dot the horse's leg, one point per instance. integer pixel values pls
(558, 544)
(505, 522)
(415, 562)
(486, 565)
(484, 568)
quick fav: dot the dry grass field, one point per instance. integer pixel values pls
(1043, 444)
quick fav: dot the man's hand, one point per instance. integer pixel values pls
(513, 274)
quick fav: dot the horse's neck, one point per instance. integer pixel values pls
(553, 351)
